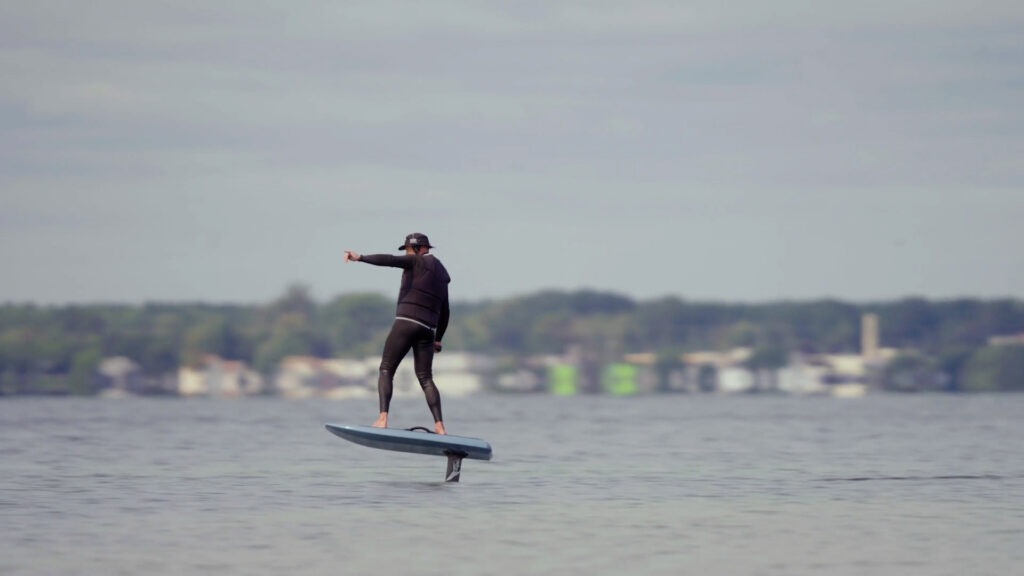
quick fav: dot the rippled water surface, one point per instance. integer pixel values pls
(588, 485)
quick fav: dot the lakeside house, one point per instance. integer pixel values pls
(456, 374)
(220, 378)
(460, 374)
(309, 377)
(570, 373)
(119, 376)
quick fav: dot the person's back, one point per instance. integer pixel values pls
(423, 295)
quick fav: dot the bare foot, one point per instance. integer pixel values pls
(381, 422)
(439, 428)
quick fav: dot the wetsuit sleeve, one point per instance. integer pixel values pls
(442, 321)
(406, 262)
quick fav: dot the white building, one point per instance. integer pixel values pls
(735, 380)
(221, 378)
(799, 377)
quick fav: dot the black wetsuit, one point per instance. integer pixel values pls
(420, 320)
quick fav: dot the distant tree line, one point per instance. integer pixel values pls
(57, 348)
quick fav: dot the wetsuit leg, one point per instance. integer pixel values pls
(423, 357)
(397, 345)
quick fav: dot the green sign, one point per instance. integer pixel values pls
(620, 379)
(563, 380)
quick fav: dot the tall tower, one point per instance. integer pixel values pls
(869, 337)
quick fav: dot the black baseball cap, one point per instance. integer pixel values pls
(416, 239)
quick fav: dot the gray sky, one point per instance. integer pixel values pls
(741, 152)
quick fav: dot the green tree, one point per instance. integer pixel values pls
(912, 372)
(82, 379)
(292, 336)
(951, 362)
(660, 324)
(770, 356)
(296, 300)
(994, 368)
(213, 336)
(603, 335)
(41, 347)
(353, 321)
(744, 334)
(469, 330)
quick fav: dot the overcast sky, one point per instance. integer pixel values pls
(737, 151)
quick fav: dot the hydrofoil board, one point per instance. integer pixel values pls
(417, 442)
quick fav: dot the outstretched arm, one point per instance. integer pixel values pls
(405, 261)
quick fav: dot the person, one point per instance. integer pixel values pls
(420, 321)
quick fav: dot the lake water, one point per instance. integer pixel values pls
(884, 484)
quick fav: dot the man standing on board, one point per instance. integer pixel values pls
(420, 321)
